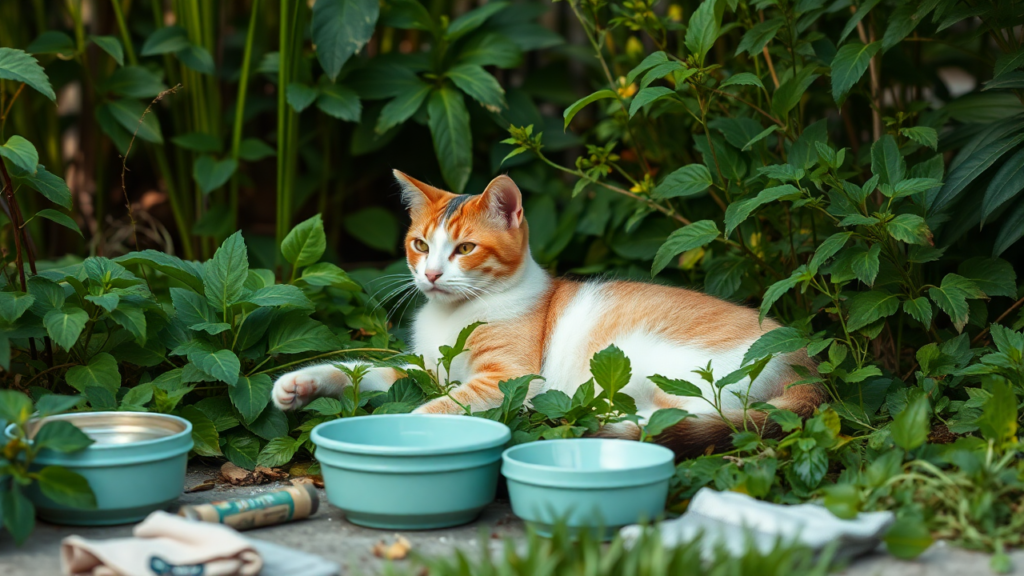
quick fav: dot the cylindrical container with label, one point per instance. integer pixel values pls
(279, 506)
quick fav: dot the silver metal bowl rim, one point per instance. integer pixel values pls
(186, 432)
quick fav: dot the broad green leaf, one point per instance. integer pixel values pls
(242, 449)
(993, 276)
(204, 432)
(787, 420)
(910, 228)
(211, 174)
(19, 513)
(296, 332)
(1008, 81)
(132, 115)
(340, 102)
(479, 84)
(18, 66)
(66, 487)
(250, 395)
(132, 319)
(271, 424)
(453, 142)
(920, 309)
(280, 295)
(782, 340)
(742, 79)
(60, 218)
(849, 64)
(305, 243)
(1005, 185)
(778, 289)
(225, 273)
(111, 45)
(327, 274)
(554, 404)
(15, 406)
(198, 142)
(865, 264)
(340, 28)
(951, 297)
(676, 387)
(810, 465)
(867, 307)
(859, 15)
(375, 227)
(46, 293)
(134, 82)
(755, 39)
(739, 211)
(101, 371)
(61, 436)
(254, 150)
(14, 304)
(969, 164)
(789, 93)
(325, 406)
(222, 364)
(760, 136)
(165, 40)
(300, 95)
(406, 14)
(662, 70)
(1008, 62)
(56, 404)
(138, 396)
(402, 107)
(886, 161)
(923, 135)
(53, 42)
(689, 180)
(611, 370)
(580, 104)
(910, 186)
(901, 22)
(664, 419)
(648, 95)
(998, 421)
(911, 426)
(1011, 230)
(828, 249)
(53, 187)
(473, 19)
(702, 30)
(188, 273)
(908, 538)
(21, 153)
(278, 452)
(650, 61)
(65, 324)
(687, 238)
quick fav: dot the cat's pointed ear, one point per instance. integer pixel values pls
(504, 202)
(416, 194)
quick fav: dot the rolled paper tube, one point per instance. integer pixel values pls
(277, 507)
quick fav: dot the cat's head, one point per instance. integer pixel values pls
(461, 246)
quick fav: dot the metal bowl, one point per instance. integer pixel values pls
(137, 465)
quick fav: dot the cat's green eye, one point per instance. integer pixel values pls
(420, 245)
(465, 248)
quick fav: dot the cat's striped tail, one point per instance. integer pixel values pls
(708, 433)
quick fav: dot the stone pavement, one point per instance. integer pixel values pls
(329, 535)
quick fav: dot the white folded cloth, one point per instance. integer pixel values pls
(733, 521)
(163, 544)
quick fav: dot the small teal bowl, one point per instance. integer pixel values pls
(593, 484)
(410, 471)
(136, 466)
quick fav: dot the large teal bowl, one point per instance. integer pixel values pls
(136, 465)
(410, 471)
(591, 484)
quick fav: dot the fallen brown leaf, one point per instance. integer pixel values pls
(202, 486)
(239, 476)
(397, 550)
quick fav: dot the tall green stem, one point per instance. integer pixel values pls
(243, 85)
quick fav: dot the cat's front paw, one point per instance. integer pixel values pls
(297, 389)
(439, 406)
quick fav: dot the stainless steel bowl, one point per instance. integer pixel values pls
(117, 428)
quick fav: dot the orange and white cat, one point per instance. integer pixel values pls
(470, 257)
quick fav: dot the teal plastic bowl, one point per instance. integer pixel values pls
(593, 484)
(410, 471)
(136, 465)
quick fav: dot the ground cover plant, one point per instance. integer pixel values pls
(853, 169)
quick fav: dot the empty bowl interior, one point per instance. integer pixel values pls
(410, 434)
(589, 455)
(115, 428)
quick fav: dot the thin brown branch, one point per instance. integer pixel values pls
(1001, 317)
(771, 66)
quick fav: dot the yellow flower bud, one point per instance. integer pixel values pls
(675, 13)
(689, 259)
(634, 47)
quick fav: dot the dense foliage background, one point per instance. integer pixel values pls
(852, 168)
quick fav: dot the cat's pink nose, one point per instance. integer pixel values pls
(432, 276)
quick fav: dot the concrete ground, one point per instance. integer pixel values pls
(327, 534)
